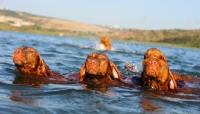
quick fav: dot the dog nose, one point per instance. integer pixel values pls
(17, 51)
(93, 62)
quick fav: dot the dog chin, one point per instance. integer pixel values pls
(151, 74)
(18, 63)
(92, 71)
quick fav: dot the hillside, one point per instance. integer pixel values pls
(189, 38)
(21, 21)
(24, 19)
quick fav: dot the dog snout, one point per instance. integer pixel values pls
(18, 51)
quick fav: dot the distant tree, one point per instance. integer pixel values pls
(36, 27)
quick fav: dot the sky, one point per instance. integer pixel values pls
(134, 14)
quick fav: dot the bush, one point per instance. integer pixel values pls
(36, 27)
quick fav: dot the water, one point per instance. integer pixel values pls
(66, 55)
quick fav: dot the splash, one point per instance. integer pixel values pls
(99, 46)
(129, 66)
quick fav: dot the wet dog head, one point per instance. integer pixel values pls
(106, 42)
(156, 74)
(28, 60)
(98, 67)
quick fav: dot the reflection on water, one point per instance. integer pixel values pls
(67, 54)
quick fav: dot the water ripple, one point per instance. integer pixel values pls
(67, 54)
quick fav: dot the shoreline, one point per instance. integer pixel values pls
(87, 35)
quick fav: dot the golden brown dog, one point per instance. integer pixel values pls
(28, 61)
(156, 73)
(106, 42)
(157, 54)
(98, 69)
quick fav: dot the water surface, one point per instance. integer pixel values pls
(66, 55)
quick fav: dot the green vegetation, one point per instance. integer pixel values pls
(37, 27)
(189, 41)
(128, 39)
(10, 22)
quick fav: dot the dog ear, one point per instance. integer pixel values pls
(115, 72)
(163, 57)
(145, 61)
(82, 73)
(44, 70)
(172, 83)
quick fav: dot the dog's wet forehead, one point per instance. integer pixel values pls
(96, 55)
(29, 52)
(27, 49)
(152, 51)
(23, 47)
(152, 55)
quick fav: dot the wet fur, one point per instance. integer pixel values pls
(105, 71)
(106, 42)
(166, 79)
(31, 65)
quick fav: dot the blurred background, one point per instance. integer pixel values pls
(166, 22)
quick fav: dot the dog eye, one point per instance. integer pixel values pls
(89, 57)
(163, 65)
(31, 51)
(103, 59)
(145, 62)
